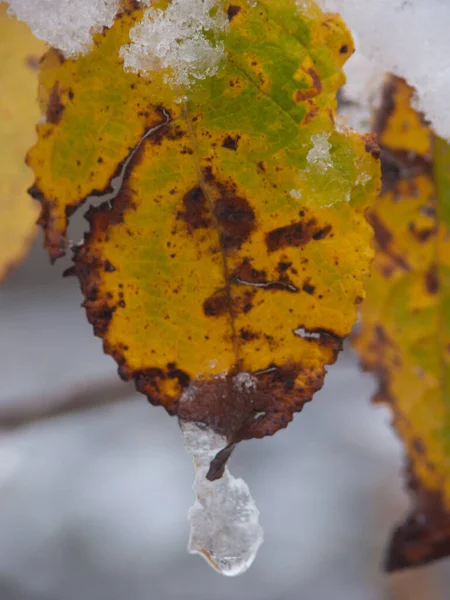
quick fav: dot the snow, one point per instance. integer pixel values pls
(183, 39)
(244, 382)
(361, 95)
(66, 24)
(225, 527)
(296, 194)
(301, 331)
(306, 7)
(319, 155)
(410, 39)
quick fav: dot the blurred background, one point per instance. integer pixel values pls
(95, 484)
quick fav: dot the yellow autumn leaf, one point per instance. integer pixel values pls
(20, 52)
(405, 335)
(225, 262)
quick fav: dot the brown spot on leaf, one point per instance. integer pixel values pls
(283, 266)
(308, 288)
(425, 534)
(54, 240)
(316, 79)
(33, 62)
(231, 143)
(151, 382)
(422, 235)
(109, 268)
(168, 131)
(217, 304)
(387, 106)
(232, 11)
(295, 235)
(55, 107)
(371, 144)
(236, 220)
(322, 233)
(245, 274)
(384, 240)
(196, 213)
(234, 215)
(311, 92)
(247, 334)
(432, 280)
(290, 235)
(400, 165)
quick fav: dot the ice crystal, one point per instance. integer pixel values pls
(66, 24)
(225, 529)
(184, 39)
(319, 155)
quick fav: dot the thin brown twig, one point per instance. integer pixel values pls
(80, 398)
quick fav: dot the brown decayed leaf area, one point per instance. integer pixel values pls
(405, 334)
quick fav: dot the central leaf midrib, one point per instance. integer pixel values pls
(225, 268)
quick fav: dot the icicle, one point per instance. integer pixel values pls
(225, 529)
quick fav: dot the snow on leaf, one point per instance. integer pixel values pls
(19, 59)
(67, 25)
(405, 336)
(319, 155)
(183, 40)
(205, 265)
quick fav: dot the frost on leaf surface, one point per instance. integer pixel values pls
(420, 54)
(319, 155)
(205, 264)
(19, 58)
(405, 334)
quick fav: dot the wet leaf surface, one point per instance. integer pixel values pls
(227, 267)
(20, 52)
(405, 337)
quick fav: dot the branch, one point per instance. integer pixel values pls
(22, 413)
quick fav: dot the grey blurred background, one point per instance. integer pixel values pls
(93, 503)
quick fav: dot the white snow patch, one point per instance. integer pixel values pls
(184, 39)
(225, 527)
(319, 155)
(305, 7)
(66, 24)
(244, 382)
(410, 39)
(307, 335)
(361, 94)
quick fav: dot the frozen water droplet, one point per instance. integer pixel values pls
(225, 527)
(319, 154)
